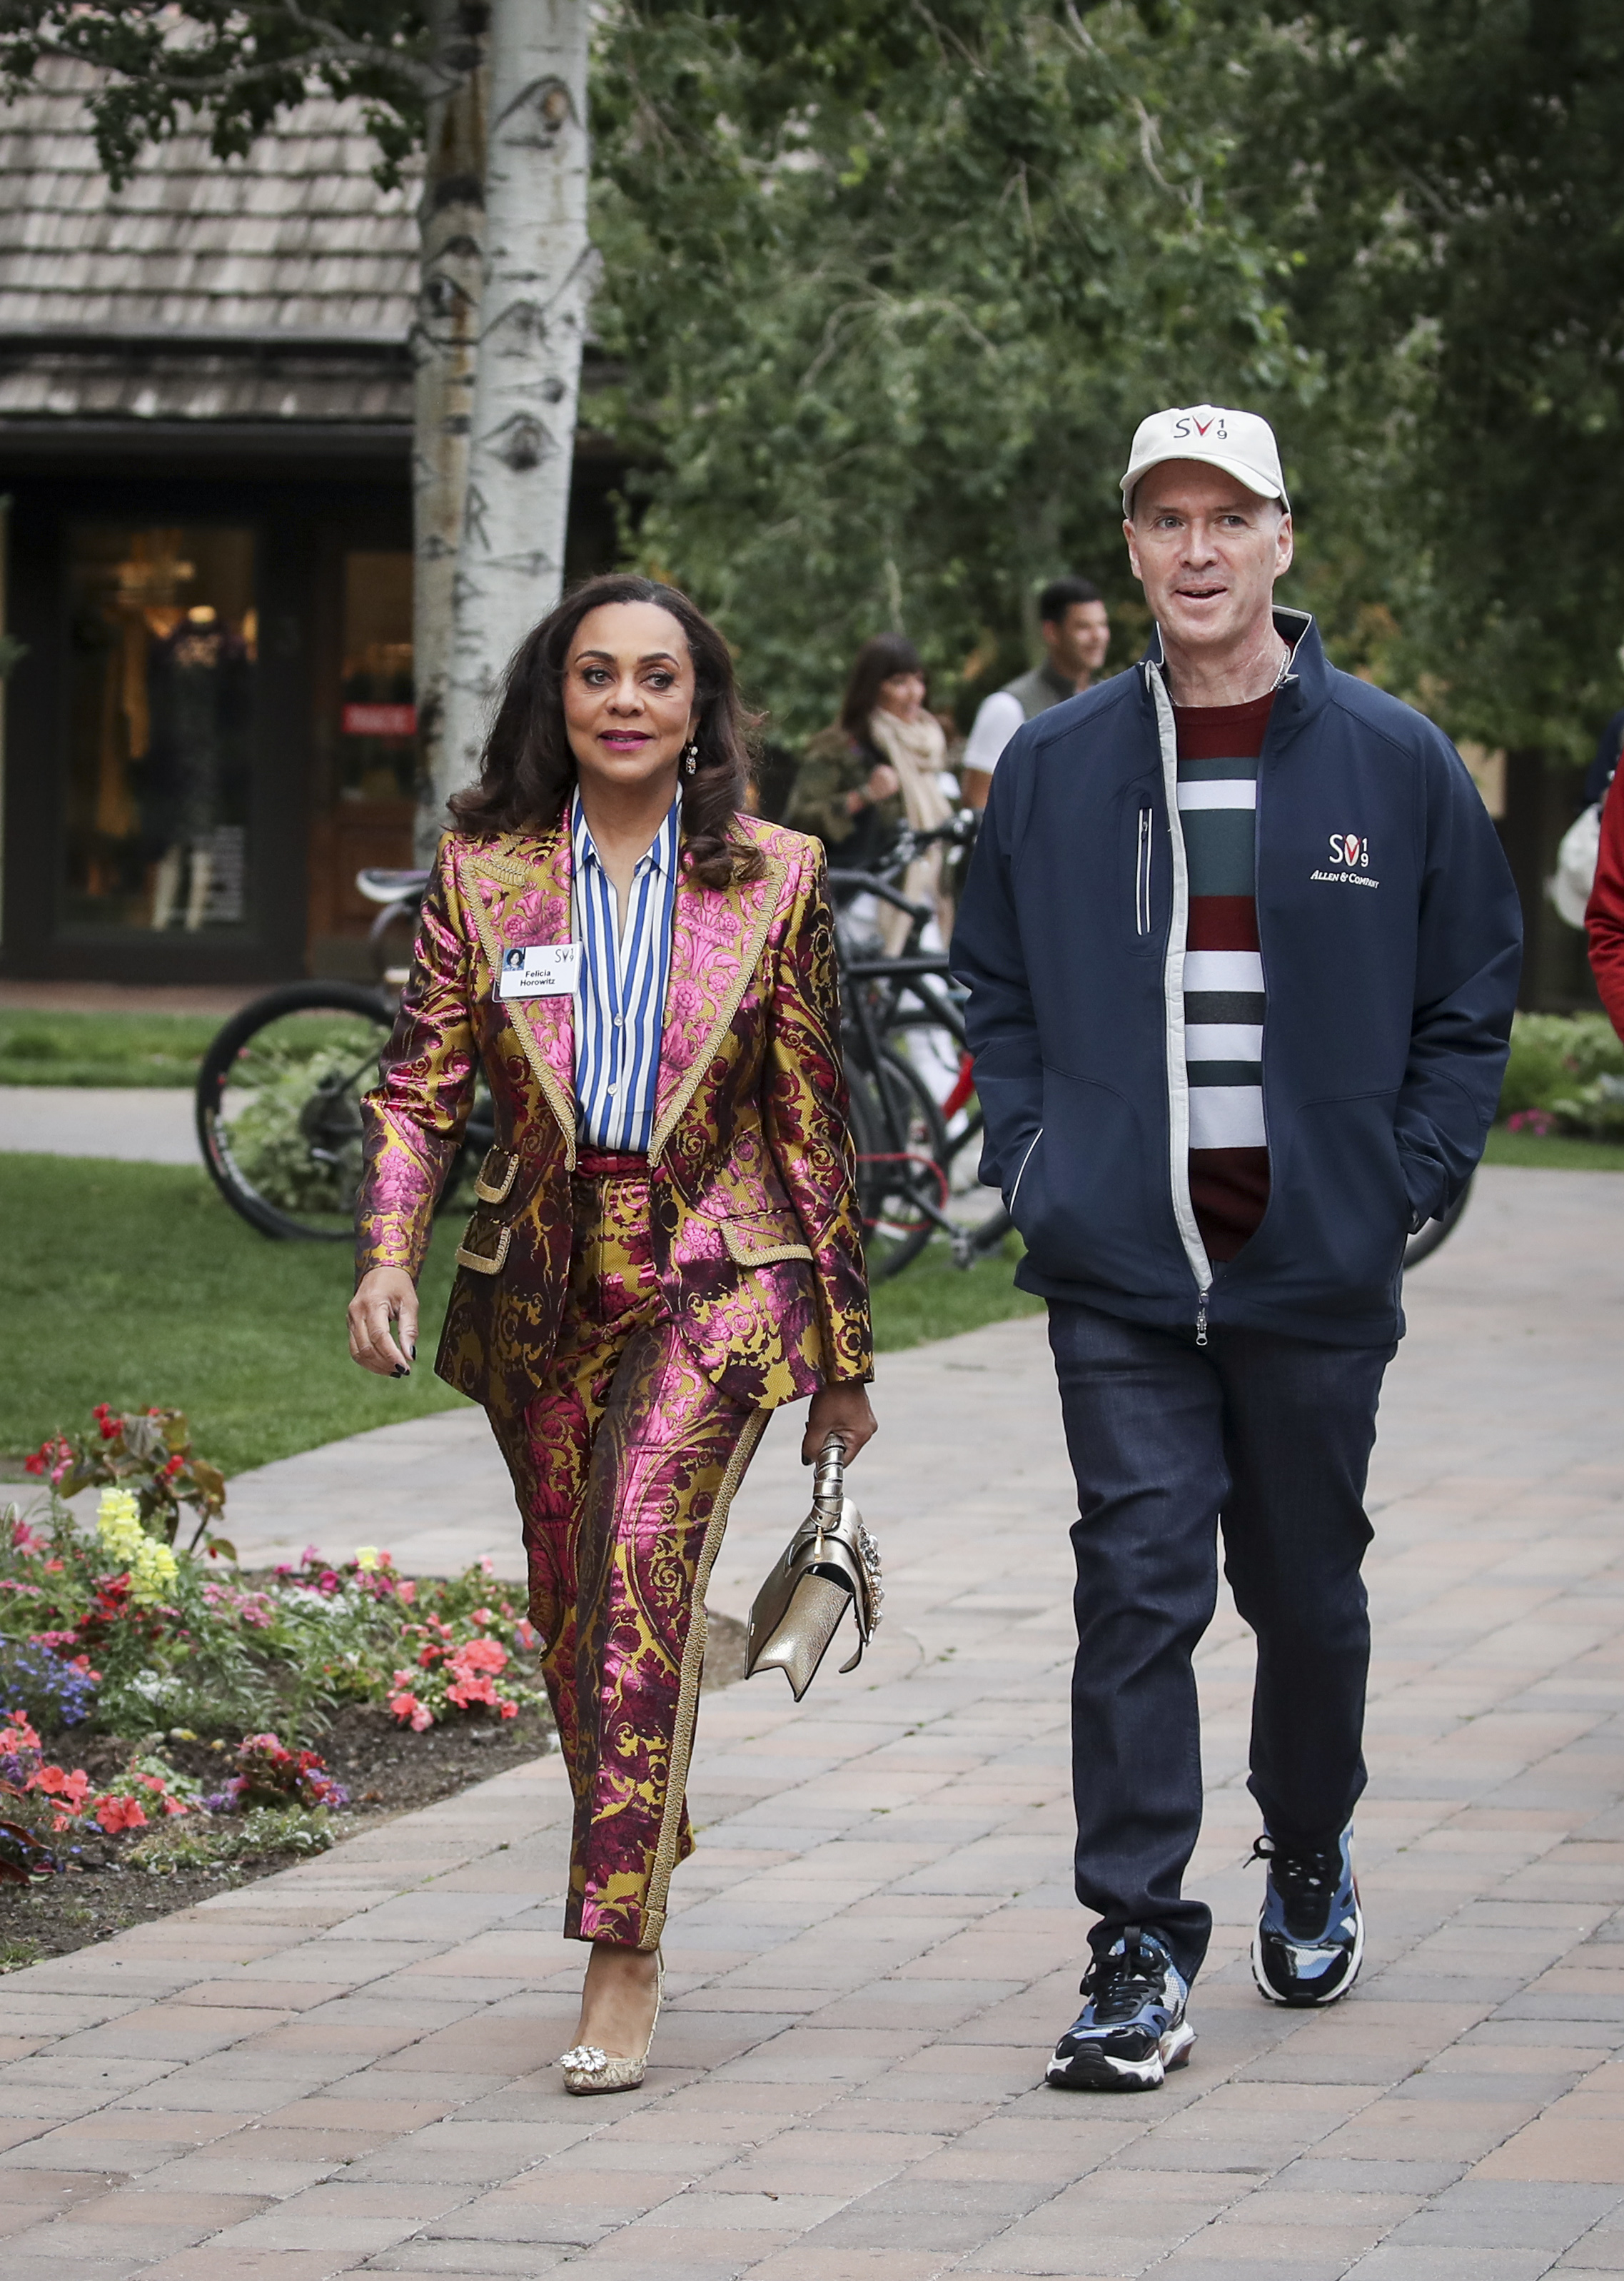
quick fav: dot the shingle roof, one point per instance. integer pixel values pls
(278, 287)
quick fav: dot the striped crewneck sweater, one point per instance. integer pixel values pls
(1218, 746)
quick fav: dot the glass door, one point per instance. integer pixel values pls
(162, 669)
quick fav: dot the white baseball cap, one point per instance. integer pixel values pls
(1241, 443)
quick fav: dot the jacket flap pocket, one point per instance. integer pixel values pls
(497, 1175)
(483, 1262)
(760, 1242)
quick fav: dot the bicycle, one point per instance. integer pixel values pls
(278, 1098)
(904, 1152)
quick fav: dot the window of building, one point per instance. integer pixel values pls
(163, 639)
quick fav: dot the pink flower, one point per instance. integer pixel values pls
(408, 1593)
(480, 1655)
(507, 1710)
(406, 1706)
(57, 1783)
(116, 1813)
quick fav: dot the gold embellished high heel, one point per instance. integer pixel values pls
(588, 2070)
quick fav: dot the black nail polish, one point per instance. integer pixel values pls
(400, 1371)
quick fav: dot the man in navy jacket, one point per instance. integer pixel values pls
(1241, 950)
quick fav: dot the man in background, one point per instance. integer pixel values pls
(1076, 636)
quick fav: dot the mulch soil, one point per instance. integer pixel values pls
(386, 1769)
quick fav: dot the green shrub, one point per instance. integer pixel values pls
(1558, 1062)
(203, 1842)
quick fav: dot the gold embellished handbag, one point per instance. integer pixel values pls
(831, 1563)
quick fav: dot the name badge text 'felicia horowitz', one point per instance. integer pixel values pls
(1351, 849)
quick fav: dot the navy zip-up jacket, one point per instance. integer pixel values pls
(1389, 989)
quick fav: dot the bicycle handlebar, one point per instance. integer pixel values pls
(866, 883)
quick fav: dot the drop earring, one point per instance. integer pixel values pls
(691, 758)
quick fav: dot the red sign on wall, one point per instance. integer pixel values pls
(380, 720)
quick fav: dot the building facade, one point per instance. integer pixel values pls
(205, 395)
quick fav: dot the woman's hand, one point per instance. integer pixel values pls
(882, 781)
(842, 1410)
(382, 1293)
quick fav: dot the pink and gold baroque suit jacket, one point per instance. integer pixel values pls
(756, 1238)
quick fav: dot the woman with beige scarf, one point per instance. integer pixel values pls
(877, 767)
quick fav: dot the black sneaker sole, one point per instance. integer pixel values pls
(1093, 2068)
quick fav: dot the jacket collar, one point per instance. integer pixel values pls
(1307, 683)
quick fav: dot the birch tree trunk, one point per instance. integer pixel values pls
(444, 343)
(537, 284)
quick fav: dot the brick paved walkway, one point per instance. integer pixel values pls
(346, 2068)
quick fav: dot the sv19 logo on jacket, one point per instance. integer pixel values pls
(1350, 850)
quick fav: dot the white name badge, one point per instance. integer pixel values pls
(545, 969)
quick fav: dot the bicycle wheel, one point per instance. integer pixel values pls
(900, 1147)
(278, 1115)
(1427, 1238)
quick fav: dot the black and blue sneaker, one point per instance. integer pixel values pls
(1310, 1941)
(1131, 2027)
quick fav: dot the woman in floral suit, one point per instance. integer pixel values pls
(666, 1243)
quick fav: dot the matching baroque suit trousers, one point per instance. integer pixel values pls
(624, 1464)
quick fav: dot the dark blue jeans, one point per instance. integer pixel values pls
(1269, 1438)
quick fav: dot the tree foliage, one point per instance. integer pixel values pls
(1451, 182)
(232, 65)
(891, 288)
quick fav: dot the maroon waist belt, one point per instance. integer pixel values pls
(610, 1164)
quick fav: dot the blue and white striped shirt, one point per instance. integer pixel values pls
(620, 989)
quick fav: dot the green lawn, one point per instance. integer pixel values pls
(133, 1283)
(68, 1049)
(1556, 1154)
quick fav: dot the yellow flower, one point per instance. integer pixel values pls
(117, 1524)
(152, 1574)
(365, 1558)
(153, 1569)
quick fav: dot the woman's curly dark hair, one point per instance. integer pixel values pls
(527, 772)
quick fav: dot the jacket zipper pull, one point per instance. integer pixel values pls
(1201, 1319)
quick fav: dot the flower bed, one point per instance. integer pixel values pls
(1565, 1075)
(160, 1711)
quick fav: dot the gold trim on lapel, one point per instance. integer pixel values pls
(777, 872)
(505, 874)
